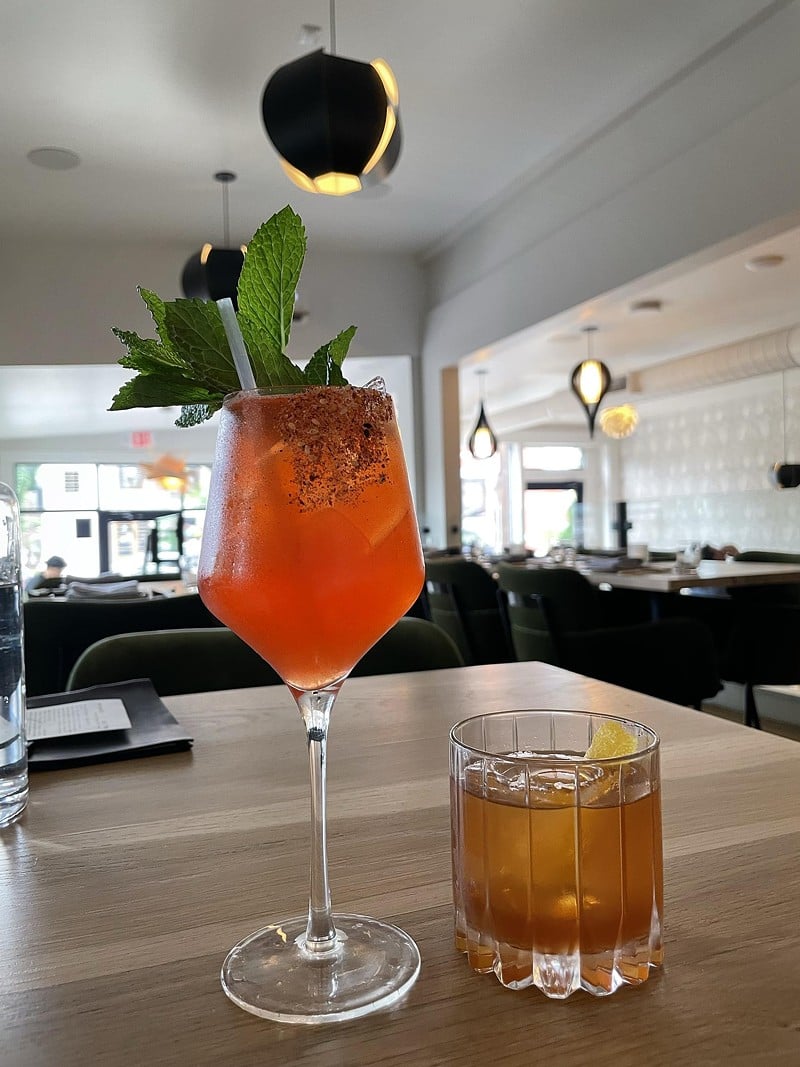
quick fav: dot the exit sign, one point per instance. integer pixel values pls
(141, 439)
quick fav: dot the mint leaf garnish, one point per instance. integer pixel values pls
(195, 330)
(270, 275)
(148, 390)
(324, 367)
(190, 363)
(194, 414)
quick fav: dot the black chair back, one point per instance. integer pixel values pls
(556, 615)
(788, 594)
(763, 646)
(462, 599)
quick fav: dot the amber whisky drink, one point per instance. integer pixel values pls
(557, 858)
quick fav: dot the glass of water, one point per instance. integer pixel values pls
(13, 748)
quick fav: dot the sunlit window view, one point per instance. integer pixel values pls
(481, 502)
(551, 516)
(552, 458)
(552, 499)
(109, 518)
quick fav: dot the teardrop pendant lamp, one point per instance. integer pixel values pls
(213, 273)
(590, 381)
(482, 442)
(334, 122)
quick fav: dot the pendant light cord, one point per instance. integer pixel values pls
(333, 26)
(225, 177)
(225, 216)
(783, 404)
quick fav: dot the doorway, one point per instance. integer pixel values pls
(552, 511)
(140, 543)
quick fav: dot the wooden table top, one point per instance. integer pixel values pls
(124, 885)
(661, 578)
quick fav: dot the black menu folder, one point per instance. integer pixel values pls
(153, 730)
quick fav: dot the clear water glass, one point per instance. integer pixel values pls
(13, 747)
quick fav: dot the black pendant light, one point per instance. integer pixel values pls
(590, 381)
(482, 442)
(334, 122)
(213, 273)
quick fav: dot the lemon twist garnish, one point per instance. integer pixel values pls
(610, 741)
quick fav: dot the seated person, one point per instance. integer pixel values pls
(50, 577)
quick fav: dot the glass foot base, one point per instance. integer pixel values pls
(271, 973)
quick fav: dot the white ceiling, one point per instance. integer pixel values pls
(157, 95)
(712, 301)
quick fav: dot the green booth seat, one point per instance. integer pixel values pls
(207, 660)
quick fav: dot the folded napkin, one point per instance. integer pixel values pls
(106, 591)
(611, 564)
(153, 730)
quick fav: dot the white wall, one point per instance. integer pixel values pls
(709, 157)
(699, 470)
(60, 299)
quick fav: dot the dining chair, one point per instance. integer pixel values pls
(207, 660)
(763, 638)
(193, 660)
(558, 616)
(411, 645)
(767, 594)
(763, 649)
(462, 599)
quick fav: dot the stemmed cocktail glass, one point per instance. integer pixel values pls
(310, 553)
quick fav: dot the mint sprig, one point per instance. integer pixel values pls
(190, 362)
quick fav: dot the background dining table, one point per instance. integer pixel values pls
(709, 574)
(124, 884)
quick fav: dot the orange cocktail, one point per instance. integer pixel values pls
(310, 553)
(310, 548)
(557, 857)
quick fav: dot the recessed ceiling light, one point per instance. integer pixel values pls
(645, 306)
(763, 262)
(54, 158)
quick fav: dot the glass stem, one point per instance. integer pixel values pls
(315, 707)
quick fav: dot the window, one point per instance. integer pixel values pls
(552, 458)
(87, 513)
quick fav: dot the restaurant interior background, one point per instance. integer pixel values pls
(561, 163)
